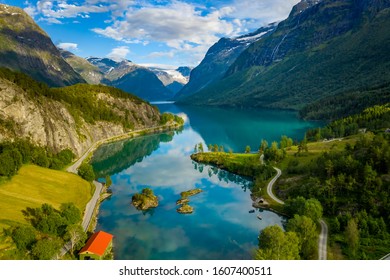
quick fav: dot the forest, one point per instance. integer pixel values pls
(14, 154)
(48, 230)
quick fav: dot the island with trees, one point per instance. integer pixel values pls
(145, 200)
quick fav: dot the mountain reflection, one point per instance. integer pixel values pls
(115, 157)
(223, 175)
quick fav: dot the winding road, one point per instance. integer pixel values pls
(323, 238)
(271, 184)
(323, 241)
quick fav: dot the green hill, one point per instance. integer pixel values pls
(72, 117)
(329, 50)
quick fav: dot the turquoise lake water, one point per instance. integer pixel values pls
(221, 226)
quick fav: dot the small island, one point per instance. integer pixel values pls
(190, 193)
(185, 209)
(183, 201)
(145, 200)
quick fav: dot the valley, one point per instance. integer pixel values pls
(277, 117)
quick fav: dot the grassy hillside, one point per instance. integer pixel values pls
(34, 186)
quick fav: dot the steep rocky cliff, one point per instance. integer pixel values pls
(72, 117)
(25, 47)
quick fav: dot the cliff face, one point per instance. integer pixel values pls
(49, 122)
(25, 47)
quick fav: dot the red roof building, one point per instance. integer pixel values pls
(97, 246)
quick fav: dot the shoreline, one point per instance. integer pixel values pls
(90, 219)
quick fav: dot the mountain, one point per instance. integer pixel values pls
(71, 117)
(25, 47)
(218, 59)
(91, 73)
(324, 49)
(174, 80)
(104, 64)
(131, 78)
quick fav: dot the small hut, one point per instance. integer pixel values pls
(97, 246)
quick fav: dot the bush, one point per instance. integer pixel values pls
(86, 172)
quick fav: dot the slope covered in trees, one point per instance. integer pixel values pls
(331, 50)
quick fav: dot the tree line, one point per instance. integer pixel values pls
(48, 230)
(373, 118)
(14, 154)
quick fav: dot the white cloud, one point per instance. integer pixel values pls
(169, 54)
(181, 26)
(119, 53)
(31, 10)
(187, 28)
(261, 12)
(160, 66)
(68, 46)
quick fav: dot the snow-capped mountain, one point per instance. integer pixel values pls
(219, 58)
(173, 79)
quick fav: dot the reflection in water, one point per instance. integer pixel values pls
(221, 226)
(224, 176)
(235, 128)
(114, 157)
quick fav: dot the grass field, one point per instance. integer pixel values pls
(33, 186)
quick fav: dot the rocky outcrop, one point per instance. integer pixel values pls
(50, 123)
(185, 209)
(145, 200)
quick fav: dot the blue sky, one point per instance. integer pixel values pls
(166, 32)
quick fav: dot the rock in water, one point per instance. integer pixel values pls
(145, 200)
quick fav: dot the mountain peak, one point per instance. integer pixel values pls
(302, 6)
(26, 48)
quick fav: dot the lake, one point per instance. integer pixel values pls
(221, 226)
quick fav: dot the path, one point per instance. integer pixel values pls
(271, 184)
(387, 257)
(323, 241)
(323, 238)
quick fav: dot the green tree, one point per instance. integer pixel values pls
(46, 249)
(352, 237)
(196, 149)
(210, 147)
(108, 181)
(247, 149)
(312, 209)
(86, 172)
(76, 236)
(147, 192)
(24, 237)
(294, 206)
(285, 142)
(70, 213)
(263, 146)
(306, 230)
(215, 149)
(200, 148)
(302, 147)
(275, 244)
